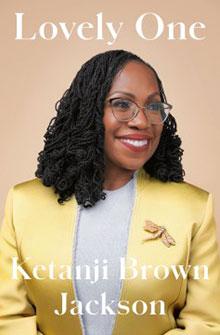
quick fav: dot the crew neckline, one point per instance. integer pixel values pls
(123, 186)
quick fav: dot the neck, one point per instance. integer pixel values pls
(116, 177)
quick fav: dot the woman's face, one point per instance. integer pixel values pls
(139, 81)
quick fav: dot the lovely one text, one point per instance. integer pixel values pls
(110, 31)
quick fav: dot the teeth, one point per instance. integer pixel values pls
(136, 143)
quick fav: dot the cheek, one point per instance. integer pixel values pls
(112, 129)
(157, 132)
(111, 126)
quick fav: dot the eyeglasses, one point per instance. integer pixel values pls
(125, 110)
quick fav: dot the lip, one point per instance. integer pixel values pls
(136, 136)
(132, 147)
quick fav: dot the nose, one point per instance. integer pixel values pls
(141, 120)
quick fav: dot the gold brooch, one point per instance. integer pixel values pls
(158, 232)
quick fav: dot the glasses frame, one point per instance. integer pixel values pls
(168, 106)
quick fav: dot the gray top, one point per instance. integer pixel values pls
(101, 239)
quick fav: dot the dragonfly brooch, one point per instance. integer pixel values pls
(158, 232)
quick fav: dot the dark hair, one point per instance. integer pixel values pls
(72, 160)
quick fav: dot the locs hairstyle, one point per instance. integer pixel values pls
(72, 160)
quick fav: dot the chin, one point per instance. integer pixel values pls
(132, 167)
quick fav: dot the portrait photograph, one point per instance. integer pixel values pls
(110, 198)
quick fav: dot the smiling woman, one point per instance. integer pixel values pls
(109, 185)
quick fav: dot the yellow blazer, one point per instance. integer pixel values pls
(36, 226)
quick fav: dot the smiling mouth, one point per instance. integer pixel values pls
(135, 145)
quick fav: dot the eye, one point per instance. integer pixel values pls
(121, 104)
(155, 106)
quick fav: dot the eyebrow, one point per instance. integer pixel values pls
(133, 96)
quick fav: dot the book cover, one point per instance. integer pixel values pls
(109, 179)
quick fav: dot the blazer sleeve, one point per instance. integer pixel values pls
(17, 314)
(201, 313)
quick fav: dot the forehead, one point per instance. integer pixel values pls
(135, 77)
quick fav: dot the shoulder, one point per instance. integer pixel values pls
(182, 197)
(182, 189)
(30, 192)
(186, 197)
(188, 206)
(35, 183)
(173, 189)
(31, 203)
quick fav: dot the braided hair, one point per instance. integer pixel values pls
(72, 160)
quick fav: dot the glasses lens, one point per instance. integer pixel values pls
(158, 112)
(123, 109)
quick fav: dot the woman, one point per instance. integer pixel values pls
(117, 242)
